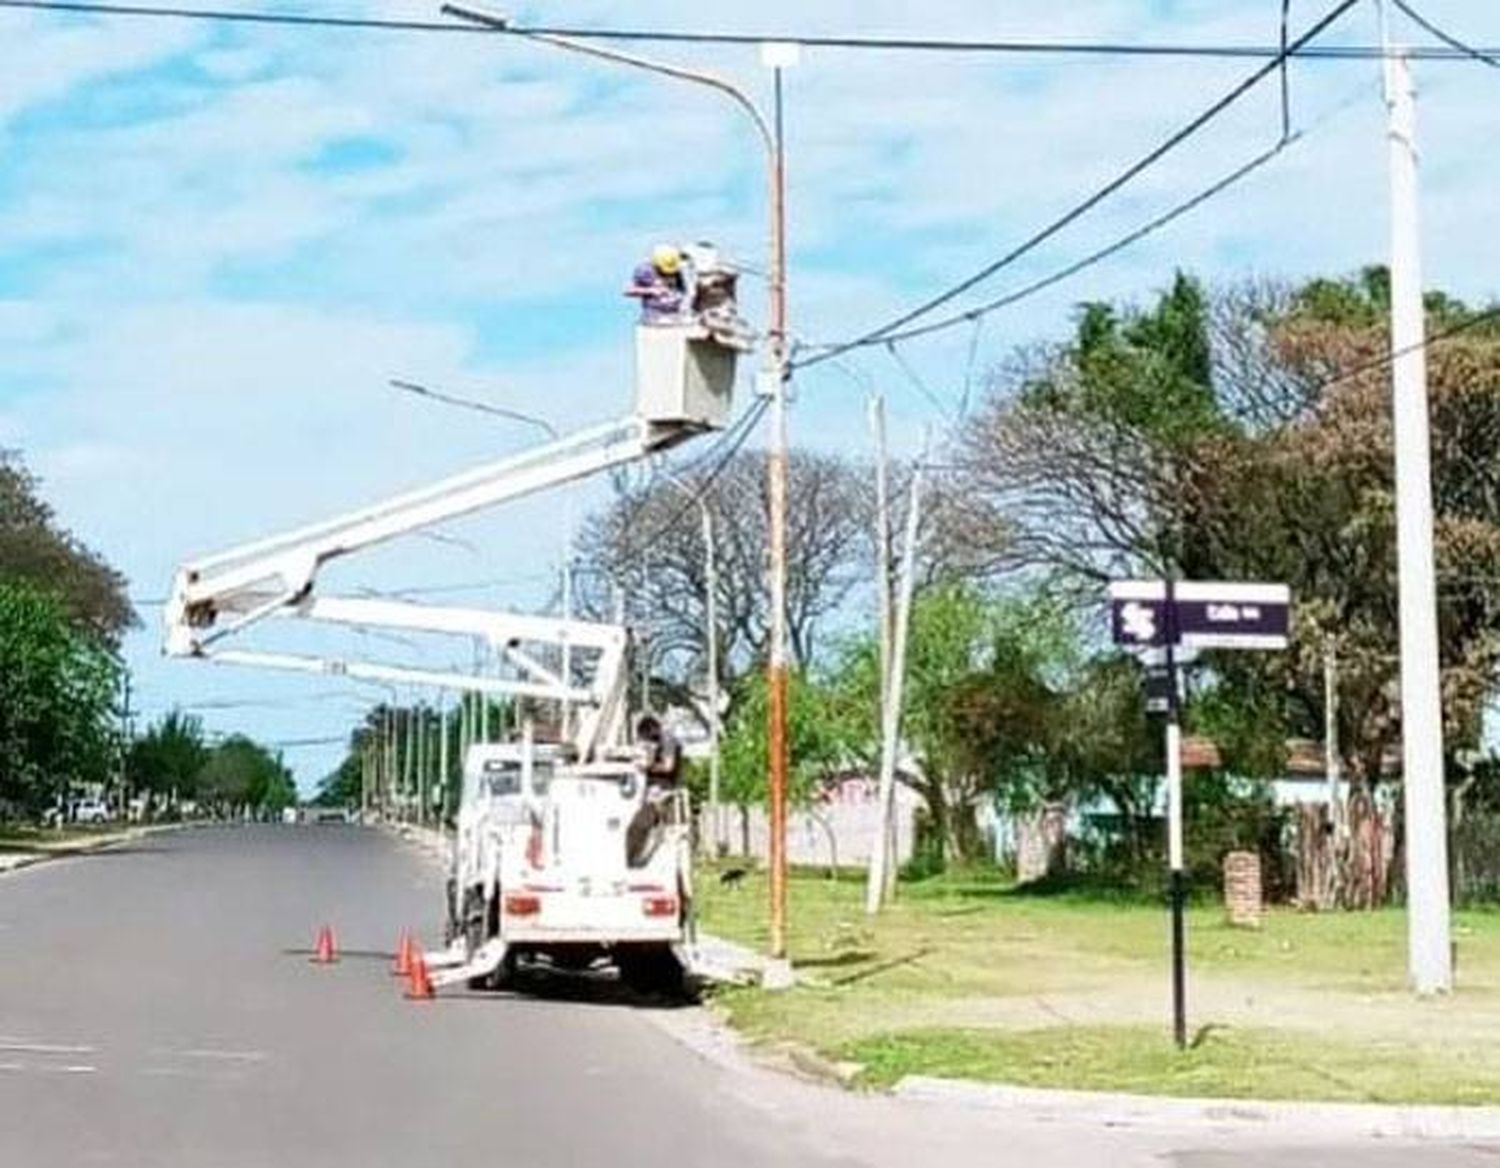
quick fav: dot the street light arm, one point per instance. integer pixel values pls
(449, 399)
(728, 89)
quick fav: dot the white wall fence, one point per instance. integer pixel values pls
(840, 829)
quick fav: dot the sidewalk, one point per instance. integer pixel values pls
(14, 859)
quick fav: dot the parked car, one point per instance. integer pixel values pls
(90, 811)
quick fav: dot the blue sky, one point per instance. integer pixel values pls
(218, 243)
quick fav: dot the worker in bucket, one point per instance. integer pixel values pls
(661, 287)
(662, 764)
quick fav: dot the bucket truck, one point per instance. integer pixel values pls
(539, 867)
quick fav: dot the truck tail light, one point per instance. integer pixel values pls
(659, 906)
(522, 904)
(534, 847)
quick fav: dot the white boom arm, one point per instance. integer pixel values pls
(684, 383)
(601, 705)
(221, 594)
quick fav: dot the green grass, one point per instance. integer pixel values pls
(49, 839)
(1260, 1064)
(962, 969)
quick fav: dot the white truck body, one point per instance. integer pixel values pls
(540, 869)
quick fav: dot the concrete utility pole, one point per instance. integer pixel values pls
(424, 760)
(443, 765)
(883, 596)
(882, 858)
(408, 758)
(720, 845)
(882, 542)
(887, 631)
(127, 736)
(777, 57)
(711, 632)
(1429, 953)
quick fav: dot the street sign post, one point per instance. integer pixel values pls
(1168, 617)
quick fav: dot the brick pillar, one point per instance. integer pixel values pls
(1242, 889)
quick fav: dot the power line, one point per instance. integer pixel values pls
(468, 586)
(1234, 178)
(1130, 239)
(1110, 188)
(732, 441)
(1490, 58)
(917, 381)
(1488, 316)
(465, 403)
(297, 743)
(1039, 47)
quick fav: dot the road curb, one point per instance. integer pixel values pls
(1107, 1109)
(14, 862)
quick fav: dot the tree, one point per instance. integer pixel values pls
(1074, 463)
(34, 548)
(57, 689)
(649, 544)
(342, 786)
(1109, 751)
(816, 746)
(240, 773)
(1247, 436)
(169, 758)
(981, 681)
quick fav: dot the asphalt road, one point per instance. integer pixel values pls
(157, 1008)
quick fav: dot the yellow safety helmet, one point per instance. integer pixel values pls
(666, 259)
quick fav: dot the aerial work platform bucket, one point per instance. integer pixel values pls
(684, 374)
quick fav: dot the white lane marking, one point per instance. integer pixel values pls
(226, 1056)
(43, 1048)
(79, 1070)
(12, 1066)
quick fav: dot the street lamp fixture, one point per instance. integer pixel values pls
(777, 56)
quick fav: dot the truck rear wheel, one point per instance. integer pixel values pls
(652, 969)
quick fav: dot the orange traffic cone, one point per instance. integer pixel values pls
(404, 950)
(324, 952)
(420, 987)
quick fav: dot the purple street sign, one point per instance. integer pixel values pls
(1207, 615)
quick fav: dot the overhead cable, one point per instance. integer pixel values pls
(724, 451)
(1490, 57)
(1026, 291)
(1112, 187)
(466, 403)
(1488, 316)
(917, 381)
(1021, 47)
